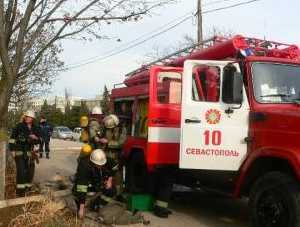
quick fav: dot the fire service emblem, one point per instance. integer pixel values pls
(213, 116)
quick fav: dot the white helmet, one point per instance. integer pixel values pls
(29, 113)
(111, 121)
(97, 110)
(98, 157)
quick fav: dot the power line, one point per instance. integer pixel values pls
(231, 6)
(155, 35)
(216, 2)
(136, 39)
(71, 65)
(131, 46)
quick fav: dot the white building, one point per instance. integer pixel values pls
(61, 102)
(90, 103)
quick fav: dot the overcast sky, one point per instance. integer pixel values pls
(276, 20)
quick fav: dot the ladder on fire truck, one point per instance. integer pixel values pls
(253, 46)
(180, 53)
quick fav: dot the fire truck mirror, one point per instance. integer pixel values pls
(232, 87)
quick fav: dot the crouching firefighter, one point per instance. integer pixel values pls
(24, 146)
(94, 176)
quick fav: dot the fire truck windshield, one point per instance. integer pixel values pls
(276, 83)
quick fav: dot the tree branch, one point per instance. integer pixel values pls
(77, 31)
(4, 52)
(20, 40)
(56, 37)
(9, 25)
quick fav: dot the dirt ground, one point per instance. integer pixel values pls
(189, 209)
(9, 213)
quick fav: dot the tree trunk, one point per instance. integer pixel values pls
(6, 87)
(10, 176)
(2, 169)
(7, 167)
(4, 101)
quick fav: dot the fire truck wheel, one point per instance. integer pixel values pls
(275, 201)
(136, 173)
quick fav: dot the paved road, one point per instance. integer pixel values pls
(63, 155)
(189, 209)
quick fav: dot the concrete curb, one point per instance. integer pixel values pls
(36, 198)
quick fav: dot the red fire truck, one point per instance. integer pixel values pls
(226, 116)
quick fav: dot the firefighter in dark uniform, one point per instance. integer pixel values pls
(114, 138)
(94, 174)
(24, 147)
(46, 132)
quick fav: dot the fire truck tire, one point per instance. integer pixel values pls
(275, 201)
(136, 173)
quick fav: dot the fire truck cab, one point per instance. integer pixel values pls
(225, 117)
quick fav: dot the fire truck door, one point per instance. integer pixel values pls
(164, 115)
(213, 132)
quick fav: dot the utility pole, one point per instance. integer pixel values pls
(199, 16)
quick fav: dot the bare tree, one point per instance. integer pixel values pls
(30, 31)
(39, 80)
(217, 31)
(159, 52)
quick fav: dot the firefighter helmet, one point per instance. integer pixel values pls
(98, 157)
(111, 121)
(29, 113)
(84, 121)
(86, 148)
(96, 110)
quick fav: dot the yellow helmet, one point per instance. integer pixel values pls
(86, 148)
(84, 121)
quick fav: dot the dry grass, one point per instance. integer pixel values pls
(48, 213)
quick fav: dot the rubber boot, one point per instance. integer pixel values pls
(20, 192)
(161, 212)
(47, 155)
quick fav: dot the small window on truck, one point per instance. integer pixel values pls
(169, 87)
(141, 119)
(206, 83)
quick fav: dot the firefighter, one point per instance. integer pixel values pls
(24, 146)
(95, 129)
(94, 174)
(114, 138)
